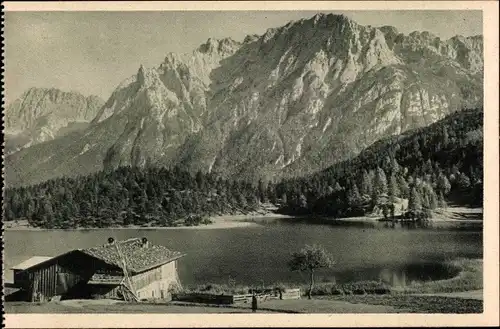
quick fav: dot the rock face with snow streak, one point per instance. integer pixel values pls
(41, 115)
(289, 102)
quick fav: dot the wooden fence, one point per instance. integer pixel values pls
(235, 299)
(291, 294)
(203, 298)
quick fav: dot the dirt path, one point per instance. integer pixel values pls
(466, 302)
(275, 306)
(305, 305)
(472, 294)
(80, 307)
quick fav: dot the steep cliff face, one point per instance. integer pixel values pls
(317, 91)
(41, 115)
(291, 101)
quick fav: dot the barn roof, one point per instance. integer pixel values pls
(33, 261)
(138, 257)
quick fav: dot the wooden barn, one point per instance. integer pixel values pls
(131, 270)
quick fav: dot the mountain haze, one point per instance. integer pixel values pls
(291, 101)
(42, 114)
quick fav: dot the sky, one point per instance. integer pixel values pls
(92, 52)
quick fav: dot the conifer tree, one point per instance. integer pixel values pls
(433, 200)
(271, 193)
(445, 137)
(302, 201)
(463, 181)
(262, 191)
(395, 168)
(366, 184)
(380, 182)
(424, 196)
(443, 184)
(415, 201)
(393, 188)
(403, 187)
(200, 180)
(354, 197)
(441, 201)
(284, 198)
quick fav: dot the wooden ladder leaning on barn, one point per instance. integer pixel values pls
(128, 291)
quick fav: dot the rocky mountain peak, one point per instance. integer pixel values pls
(223, 46)
(42, 114)
(141, 74)
(332, 21)
(387, 29)
(147, 77)
(36, 103)
(293, 100)
(251, 38)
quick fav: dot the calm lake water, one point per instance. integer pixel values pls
(258, 255)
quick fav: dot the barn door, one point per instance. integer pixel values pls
(62, 283)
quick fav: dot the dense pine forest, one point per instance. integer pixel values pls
(129, 196)
(428, 167)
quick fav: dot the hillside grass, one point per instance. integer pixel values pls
(319, 304)
(415, 304)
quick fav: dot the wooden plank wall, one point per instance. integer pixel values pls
(44, 280)
(59, 276)
(146, 278)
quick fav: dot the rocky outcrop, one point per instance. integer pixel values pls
(294, 100)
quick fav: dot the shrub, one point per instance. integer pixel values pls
(352, 288)
(321, 289)
(336, 291)
(174, 288)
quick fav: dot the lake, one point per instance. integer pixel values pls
(259, 254)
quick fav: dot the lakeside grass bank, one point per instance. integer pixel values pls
(467, 276)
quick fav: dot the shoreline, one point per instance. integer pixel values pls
(252, 220)
(219, 222)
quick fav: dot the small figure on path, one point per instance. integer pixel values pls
(254, 302)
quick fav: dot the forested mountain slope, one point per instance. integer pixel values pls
(430, 166)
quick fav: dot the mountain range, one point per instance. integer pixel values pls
(286, 103)
(42, 114)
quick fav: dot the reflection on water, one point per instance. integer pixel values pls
(406, 225)
(400, 277)
(395, 275)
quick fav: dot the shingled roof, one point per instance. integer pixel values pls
(138, 257)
